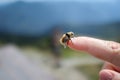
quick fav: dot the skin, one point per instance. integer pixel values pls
(109, 51)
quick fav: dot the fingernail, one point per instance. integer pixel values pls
(106, 76)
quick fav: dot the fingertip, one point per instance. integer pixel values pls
(106, 75)
(78, 43)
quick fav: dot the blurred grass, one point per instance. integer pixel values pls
(89, 70)
(68, 53)
(92, 71)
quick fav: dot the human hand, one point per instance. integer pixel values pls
(109, 51)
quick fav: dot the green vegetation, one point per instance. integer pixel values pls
(38, 41)
(92, 71)
(68, 53)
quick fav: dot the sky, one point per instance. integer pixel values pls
(7, 1)
(4, 2)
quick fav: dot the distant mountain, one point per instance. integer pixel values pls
(33, 19)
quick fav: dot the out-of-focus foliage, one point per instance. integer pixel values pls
(90, 70)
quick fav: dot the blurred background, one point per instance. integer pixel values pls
(30, 31)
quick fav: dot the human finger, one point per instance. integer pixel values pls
(102, 49)
(109, 75)
(110, 66)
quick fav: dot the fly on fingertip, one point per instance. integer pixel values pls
(65, 38)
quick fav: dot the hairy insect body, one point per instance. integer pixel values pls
(65, 38)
